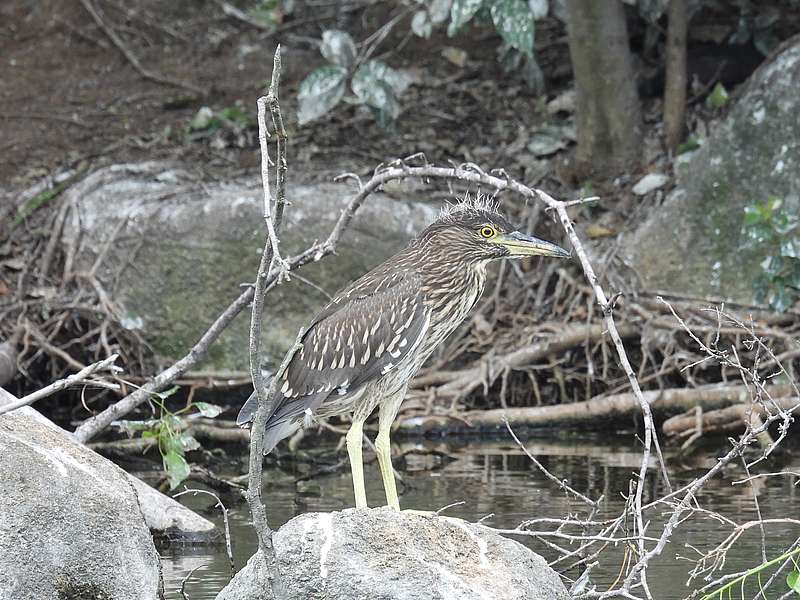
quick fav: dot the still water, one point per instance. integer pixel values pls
(495, 477)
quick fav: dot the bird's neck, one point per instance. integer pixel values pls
(451, 293)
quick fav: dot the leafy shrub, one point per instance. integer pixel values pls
(378, 86)
(770, 227)
(169, 436)
(373, 82)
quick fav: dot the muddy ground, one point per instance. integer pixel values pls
(71, 98)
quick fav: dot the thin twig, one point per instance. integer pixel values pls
(225, 522)
(80, 377)
(269, 256)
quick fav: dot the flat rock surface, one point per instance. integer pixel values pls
(694, 244)
(378, 554)
(70, 523)
(176, 251)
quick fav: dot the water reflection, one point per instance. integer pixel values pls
(494, 477)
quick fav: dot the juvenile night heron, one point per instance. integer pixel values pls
(362, 349)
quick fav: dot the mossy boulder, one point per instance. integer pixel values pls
(694, 244)
(179, 249)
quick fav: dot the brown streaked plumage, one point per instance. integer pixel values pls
(361, 350)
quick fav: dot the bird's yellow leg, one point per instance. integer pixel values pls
(354, 440)
(383, 448)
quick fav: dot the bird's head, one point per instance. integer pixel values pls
(474, 231)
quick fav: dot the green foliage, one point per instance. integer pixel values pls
(378, 86)
(44, 198)
(688, 146)
(230, 117)
(513, 19)
(514, 22)
(168, 435)
(771, 228)
(718, 96)
(320, 92)
(271, 12)
(792, 579)
(373, 82)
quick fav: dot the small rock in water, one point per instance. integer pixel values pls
(650, 182)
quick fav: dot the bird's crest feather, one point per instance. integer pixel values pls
(477, 203)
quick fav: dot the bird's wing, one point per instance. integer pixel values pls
(360, 336)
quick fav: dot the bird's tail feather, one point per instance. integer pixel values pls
(248, 411)
(280, 424)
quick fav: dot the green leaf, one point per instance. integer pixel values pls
(186, 442)
(781, 299)
(237, 116)
(167, 393)
(338, 47)
(320, 92)
(790, 248)
(514, 23)
(146, 435)
(171, 421)
(372, 85)
(793, 581)
(460, 13)
(208, 410)
(718, 96)
(377, 69)
(688, 146)
(176, 468)
(752, 215)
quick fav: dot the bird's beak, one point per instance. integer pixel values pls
(520, 244)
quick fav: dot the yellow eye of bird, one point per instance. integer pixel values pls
(488, 231)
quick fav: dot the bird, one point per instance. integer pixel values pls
(362, 349)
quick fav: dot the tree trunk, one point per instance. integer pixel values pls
(609, 119)
(675, 89)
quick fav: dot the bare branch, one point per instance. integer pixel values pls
(81, 377)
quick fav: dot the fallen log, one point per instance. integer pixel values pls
(591, 413)
(460, 383)
(731, 418)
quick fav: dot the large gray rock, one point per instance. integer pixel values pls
(70, 523)
(180, 248)
(379, 554)
(166, 518)
(694, 243)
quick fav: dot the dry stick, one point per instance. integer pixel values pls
(185, 580)
(650, 435)
(94, 425)
(265, 397)
(62, 384)
(131, 57)
(561, 483)
(225, 522)
(690, 492)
